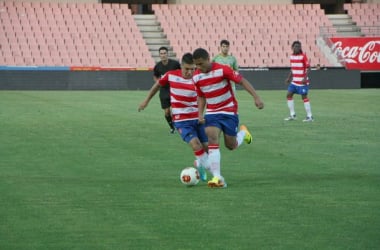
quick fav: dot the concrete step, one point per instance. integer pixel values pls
(144, 17)
(343, 22)
(344, 25)
(350, 28)
(151, 28)
(350, 34)
(153, 35)
(155, 41)
(145, 22)
(341, 19)
(337, 16)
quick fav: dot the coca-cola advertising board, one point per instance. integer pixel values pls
(358, 53)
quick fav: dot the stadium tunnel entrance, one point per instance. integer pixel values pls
(138, 7)
(329, 6)
(370, 79)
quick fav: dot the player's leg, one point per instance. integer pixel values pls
(203, 139)
(213, 131)
(165, 105)
(201, 157)
(290, 103)
(307, 105)
(188, 132)
(233, 139)
(245, 135)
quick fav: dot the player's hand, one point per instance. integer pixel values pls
(201, 120)
(259, 104)
(287, 81)
(142, 106)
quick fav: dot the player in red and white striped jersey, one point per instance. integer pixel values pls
(217, 98)
(183, 98)
(298, 82)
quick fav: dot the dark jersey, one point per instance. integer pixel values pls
(160, 69)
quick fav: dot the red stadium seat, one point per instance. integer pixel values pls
(251, 26)
(82, 29)
(73, 28)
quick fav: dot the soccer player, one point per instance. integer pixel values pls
(183, 99)
(216, 97)
(225, 58)
(298, 82)
(159, 70)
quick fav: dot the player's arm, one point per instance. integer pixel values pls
(289, 78)
(152, 92)
(156, 74)
(235, 65)
(304, 80)
(307, 69)
(201, 108)
(251, 90)
(238, 78)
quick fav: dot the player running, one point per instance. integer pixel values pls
(183, 98)
(217, 98)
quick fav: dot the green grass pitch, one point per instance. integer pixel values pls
(85, 170)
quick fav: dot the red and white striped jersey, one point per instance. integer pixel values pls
(215, 86)
(298, 65)
(183, 96)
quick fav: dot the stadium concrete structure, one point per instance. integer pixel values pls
(54, 40)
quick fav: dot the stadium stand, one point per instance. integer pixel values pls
(70, 34)
(367, 17)
(260, 34)
(106, 35)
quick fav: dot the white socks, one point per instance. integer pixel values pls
(214, 159)
(291, 106)
(306, 104)
(202, 158)
(240, 137)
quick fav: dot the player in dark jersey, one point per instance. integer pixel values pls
(159, 70)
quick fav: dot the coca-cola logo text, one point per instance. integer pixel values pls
(368, 53)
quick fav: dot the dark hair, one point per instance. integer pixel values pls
(296, 42)
(163, 48)
(200, 53)
(224, 41)
(187, 58)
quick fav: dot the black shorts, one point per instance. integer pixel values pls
(165, 98)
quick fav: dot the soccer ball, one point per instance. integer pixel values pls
(189, 176)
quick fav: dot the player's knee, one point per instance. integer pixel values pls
(230, 146)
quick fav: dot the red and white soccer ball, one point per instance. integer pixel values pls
(189, 176)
